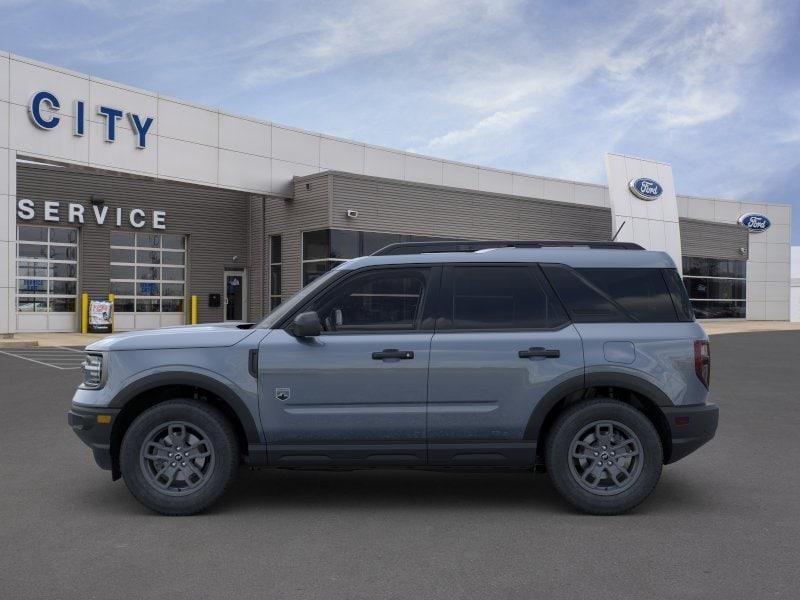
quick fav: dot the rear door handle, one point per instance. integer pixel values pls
(539, 352)
(393, 353)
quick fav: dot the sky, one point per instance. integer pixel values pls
(712, 87)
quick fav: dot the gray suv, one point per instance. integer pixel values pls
(583, 359)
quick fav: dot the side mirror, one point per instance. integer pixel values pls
(306, 324)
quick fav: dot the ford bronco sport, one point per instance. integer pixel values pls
(583, 359)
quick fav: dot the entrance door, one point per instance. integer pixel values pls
(355, 394)
(234, 295)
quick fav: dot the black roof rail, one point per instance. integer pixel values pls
(474, 245)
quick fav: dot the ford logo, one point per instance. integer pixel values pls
(646, 189)
(754, 222)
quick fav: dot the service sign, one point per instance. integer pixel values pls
(645, 189)
(100, 314)
(754, 222)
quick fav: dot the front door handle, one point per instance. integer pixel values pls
(539, 352)
(393, 353)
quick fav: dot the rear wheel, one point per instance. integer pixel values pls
(178, 457)
(604, 456)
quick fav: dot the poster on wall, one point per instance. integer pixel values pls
(100, 314)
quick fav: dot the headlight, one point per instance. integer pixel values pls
(93, 371)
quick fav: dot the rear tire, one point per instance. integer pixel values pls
(179, 457)
(604, 456)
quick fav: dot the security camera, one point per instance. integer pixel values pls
(352, 214)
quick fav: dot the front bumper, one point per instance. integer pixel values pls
(690, 427)
(93, 426)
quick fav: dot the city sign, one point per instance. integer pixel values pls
(646, 189)
(44, 106)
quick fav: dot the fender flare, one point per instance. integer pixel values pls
(583, 382)
(220, 389)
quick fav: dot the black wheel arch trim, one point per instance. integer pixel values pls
(583, 382)
(222, 391)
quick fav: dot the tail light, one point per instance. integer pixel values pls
(702, 361)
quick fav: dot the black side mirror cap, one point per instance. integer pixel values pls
(306, 324)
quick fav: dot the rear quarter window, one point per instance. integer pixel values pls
(612, 295)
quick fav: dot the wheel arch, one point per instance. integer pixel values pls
(154, 389)
(637, 392)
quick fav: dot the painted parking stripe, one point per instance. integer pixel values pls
(57, 357)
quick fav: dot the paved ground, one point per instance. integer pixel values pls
(65, 359)
(723, 523)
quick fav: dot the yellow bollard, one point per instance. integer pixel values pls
(84, 312)
(111, 298)
(193, 315)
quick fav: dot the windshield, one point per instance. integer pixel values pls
(287, 306)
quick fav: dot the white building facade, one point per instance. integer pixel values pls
(91, 128)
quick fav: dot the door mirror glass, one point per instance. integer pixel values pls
(306, 324)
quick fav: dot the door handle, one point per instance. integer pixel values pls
(393, 353)
(539, 352)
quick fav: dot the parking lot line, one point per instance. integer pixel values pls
(56, 358)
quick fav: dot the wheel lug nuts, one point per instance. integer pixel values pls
(597, 454)
(184, 464)
(603, 447)
(599, 463)
(170, 455)
(173, 464)
(609, 463)
(613, 453)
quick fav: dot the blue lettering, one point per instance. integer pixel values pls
(35, 109)
(141, 129)
(111, 115)
(80, 118)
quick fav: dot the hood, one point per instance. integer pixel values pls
(212, 335)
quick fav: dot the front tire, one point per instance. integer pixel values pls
(179, 457)
(604, 456)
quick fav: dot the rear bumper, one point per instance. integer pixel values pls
(96, 435)
(690, 427)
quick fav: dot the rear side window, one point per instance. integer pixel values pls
(614, 294)
(641, 292)
(585, 302)
(501, 297)
(680, 298)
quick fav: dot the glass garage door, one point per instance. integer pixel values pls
(47, 278)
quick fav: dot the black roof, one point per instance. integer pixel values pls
(474, 245)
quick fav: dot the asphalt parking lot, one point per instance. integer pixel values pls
(723, 523)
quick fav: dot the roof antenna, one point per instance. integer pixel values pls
(618, 230)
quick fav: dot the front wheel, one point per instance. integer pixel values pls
(178, 457)
(604, 456)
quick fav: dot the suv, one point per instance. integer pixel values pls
(583, 359)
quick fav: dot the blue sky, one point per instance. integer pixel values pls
(712, 87)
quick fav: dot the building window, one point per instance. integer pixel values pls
(325, 248)
(47, 269)
(148, 272)
(716, 287)
(275, 270)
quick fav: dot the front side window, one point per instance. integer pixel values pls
(47, 269)
(148, 272)
(501, 297)
(388, 299)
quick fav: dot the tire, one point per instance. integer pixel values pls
(615, 434)
(179, 457)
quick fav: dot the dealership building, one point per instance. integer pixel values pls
(107, 189)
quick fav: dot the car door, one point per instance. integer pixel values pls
(502, 342)
(357, 393)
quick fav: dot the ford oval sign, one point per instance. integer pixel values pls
(646, 189)
(754, 222)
